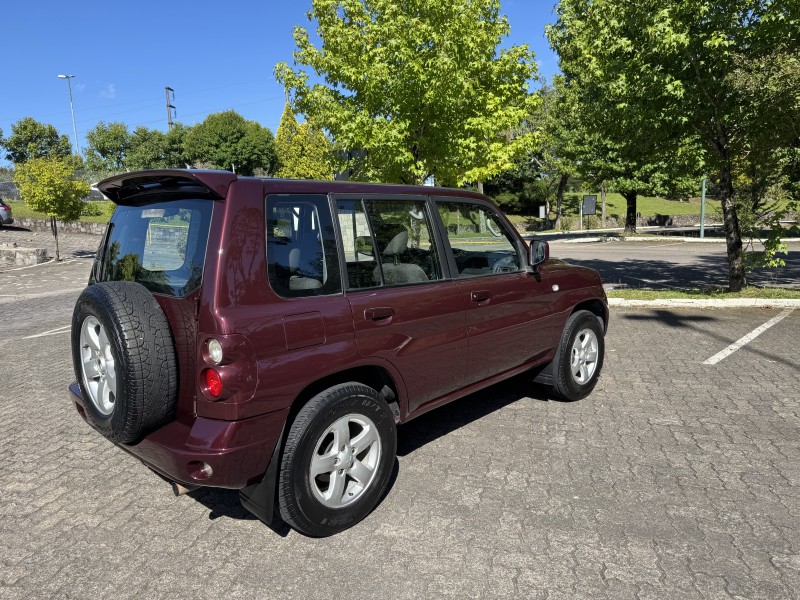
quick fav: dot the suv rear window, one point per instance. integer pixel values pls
(161, 245)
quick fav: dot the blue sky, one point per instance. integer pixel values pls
(215, 55)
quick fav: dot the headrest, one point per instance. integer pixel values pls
(294, 259)
(398, 245)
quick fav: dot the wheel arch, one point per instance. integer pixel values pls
(596, 307)
(374, 376)
(260, 498)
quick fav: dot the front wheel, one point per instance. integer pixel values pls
(579, 358)
(337, 460)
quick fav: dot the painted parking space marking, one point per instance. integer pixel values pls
(56, 331)
(748, 338)
(47, 262)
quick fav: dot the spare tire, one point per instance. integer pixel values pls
(124, 359)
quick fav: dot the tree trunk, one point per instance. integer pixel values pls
(630, 212)
(562, 185)
(733, 235)
(603, 199)
(54, 229)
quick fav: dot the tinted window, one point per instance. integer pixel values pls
(387, 242)
(301, 246)
(480, 242)
(160, 245)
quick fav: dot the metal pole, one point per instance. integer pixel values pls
(72, 110)
(703, 210)
(170, 107)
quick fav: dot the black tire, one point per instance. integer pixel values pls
(300, 505)
(143, 355)
(565, 382)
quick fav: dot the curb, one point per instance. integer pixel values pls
(698, 303)
(663, 238)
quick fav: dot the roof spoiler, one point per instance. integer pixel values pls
(139, 187)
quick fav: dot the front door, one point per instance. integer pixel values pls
(508, 310)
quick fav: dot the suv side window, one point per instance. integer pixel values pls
(387, 242)
(301, 246)
(479, 239)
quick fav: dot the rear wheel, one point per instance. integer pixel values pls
(579, 357)
(337, 460)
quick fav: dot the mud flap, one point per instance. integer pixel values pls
(545, 376)
(259, 498)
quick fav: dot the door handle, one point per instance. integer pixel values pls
(378, 313)
(481, 296)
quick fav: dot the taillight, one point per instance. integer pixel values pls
(213, 383)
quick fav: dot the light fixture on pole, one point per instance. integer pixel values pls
(72, 110)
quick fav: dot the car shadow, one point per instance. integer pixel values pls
(224, 503)
(452, 416)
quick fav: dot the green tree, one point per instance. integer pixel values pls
(665, 69)
(31, 139)
(107, 148)
(48, 185)
(146, 150)
(301, 152)
(227, 140)
(174, 153)
(415, 89)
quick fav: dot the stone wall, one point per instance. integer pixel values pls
(11, 254)
(73, 227)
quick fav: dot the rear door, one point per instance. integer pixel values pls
(406, 309)
(508, 310)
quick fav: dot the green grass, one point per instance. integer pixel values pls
(648, 206)
(20, 210)
(706, 294)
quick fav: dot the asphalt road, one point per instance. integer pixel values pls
(670, 263)
(674, 479)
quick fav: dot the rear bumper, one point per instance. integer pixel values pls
(237, 452)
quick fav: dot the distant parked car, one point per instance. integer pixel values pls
(6, 218)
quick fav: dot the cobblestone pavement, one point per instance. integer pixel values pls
(674, 479)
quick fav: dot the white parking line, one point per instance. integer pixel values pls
(56, 331)
(47, 262)
(748, 338)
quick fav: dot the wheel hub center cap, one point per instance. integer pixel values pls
(346, 459)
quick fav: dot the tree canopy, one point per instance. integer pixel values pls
(107, 147)
(48, 185)
(31, 139)
(301, 152)
(415, 89)
(227, 140)
(660, 74)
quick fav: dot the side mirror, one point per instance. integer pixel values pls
(539, 252)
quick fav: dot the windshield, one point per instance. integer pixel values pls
(161, 245)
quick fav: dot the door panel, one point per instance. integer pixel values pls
(508, 310)
(420, 330)
(509, 322)
(404, 311)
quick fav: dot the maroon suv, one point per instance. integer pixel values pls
(268, 336)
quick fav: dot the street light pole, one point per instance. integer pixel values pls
(72, 110)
